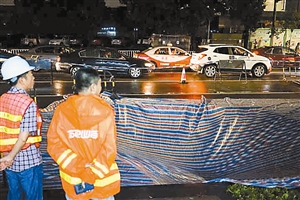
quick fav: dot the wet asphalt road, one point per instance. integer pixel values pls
(50, 87)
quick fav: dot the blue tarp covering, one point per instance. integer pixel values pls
(179, 141)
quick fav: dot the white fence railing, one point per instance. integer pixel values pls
(129, 53)
(14, 51)
(126, 52)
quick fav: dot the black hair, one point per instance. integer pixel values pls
(84, 78)
(13, 81)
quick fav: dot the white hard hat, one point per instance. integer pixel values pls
(14, 67)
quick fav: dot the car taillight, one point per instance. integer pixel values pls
(201, 56)
(290, 59)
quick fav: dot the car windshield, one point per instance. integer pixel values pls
(288, 51)
(102, 53)
(148, 49)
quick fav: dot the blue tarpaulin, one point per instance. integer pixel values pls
(179, 141)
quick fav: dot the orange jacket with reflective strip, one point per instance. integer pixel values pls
(82, 140)
(12, 109)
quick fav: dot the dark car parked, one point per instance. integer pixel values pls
(280, 56)
(103, 59)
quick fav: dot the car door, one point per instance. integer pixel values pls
(162, 55)
(107, 60)
(47, 52)
(178, 57)
(231, 57)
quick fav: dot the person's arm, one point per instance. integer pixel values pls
(107, 153)
(8, 160)
(17, 148)
(28, 118)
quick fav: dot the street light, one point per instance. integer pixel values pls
(273, 22)
(135, 30)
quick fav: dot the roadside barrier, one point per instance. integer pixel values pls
(180, 141)
(14, 51)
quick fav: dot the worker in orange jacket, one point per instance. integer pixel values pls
(82, 140)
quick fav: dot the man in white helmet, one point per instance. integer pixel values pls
(20, 133)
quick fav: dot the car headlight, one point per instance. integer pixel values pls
(148, 64)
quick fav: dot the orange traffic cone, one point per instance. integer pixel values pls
(183, 76)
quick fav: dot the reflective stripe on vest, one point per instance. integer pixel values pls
(12, 141)
(98, 183)
(99, 169)
(9, 130)
(11, 117)
(65, 158)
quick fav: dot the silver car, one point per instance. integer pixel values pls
(60, 40)
(34, 40)
(46, 52)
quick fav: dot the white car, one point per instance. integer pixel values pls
(165, 56)
(60, 40)
(212, 58)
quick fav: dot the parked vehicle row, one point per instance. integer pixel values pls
(208, 59)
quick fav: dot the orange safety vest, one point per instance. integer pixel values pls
(12, 109)
(83, 131)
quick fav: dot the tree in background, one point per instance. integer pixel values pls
(173, 16)
(249, 12)
(290, 20)
(57, 16)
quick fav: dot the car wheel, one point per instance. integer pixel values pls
(73, 70)
(210, 70)
(258, 70)
(135, 72)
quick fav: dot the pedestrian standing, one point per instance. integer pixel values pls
(255, 43)
(82, 140)
(20, 133)
(297, 48)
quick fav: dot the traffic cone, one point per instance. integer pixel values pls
(183, 76)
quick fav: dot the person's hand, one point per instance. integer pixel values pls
(5, 162)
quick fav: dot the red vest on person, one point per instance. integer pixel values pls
(12, 109)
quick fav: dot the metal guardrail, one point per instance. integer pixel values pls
(14, 51)
(129, 53)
